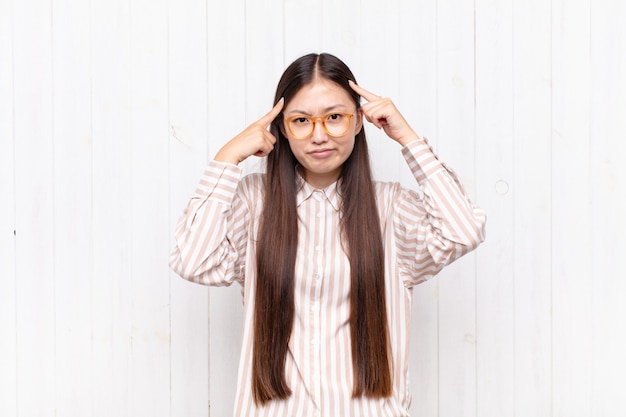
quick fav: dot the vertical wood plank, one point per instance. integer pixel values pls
(340, 36)
(571, 226)
(455, 145)
(417, 98)
(8, 346)
(149, 249)
(226, 73)
(187, 156)
(608, 194)
(379, 36)
(264, 62)
(34, 208)
(417, 70)
(494, 180)
(110, 23)
(532, 207)
(72, 206)
(226, 118)
(302, 28)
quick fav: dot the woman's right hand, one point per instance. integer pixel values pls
(254, 140)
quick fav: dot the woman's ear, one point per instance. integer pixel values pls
(359, 121)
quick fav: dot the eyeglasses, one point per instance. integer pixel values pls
(335, 124)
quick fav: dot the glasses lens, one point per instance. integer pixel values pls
(337, 124)
(301, 126)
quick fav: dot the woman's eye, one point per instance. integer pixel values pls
(334, 117)
(300, 120)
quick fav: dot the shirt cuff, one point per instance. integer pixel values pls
(219, 182)
(422, 160)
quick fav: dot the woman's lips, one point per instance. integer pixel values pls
(321, 153)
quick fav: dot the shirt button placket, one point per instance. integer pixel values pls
(316, 344)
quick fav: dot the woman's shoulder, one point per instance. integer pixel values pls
(393, 188)
(391, 195)
(253, 178)
(386, 189)
(251, 188)
(252, 183)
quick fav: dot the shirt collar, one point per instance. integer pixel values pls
(305, 191)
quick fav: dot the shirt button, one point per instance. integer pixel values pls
(315, 308)
(319, 215)
(314, 341)
(318, 276)
(318, 248)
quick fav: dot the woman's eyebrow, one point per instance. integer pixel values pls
(325, 110)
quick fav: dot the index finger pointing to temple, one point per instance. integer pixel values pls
(363, 92)
(269, 117)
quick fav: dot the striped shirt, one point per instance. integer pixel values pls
(422, 232)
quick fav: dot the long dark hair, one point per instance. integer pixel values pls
(277, 245)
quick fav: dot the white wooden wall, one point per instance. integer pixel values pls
(110, 108)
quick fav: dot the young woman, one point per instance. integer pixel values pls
(326, 256)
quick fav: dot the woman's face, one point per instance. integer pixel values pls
(322, 155)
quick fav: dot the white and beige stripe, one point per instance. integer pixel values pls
(422, 233)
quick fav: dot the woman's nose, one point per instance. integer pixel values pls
(319, 134)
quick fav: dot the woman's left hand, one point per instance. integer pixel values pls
(383, 114)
